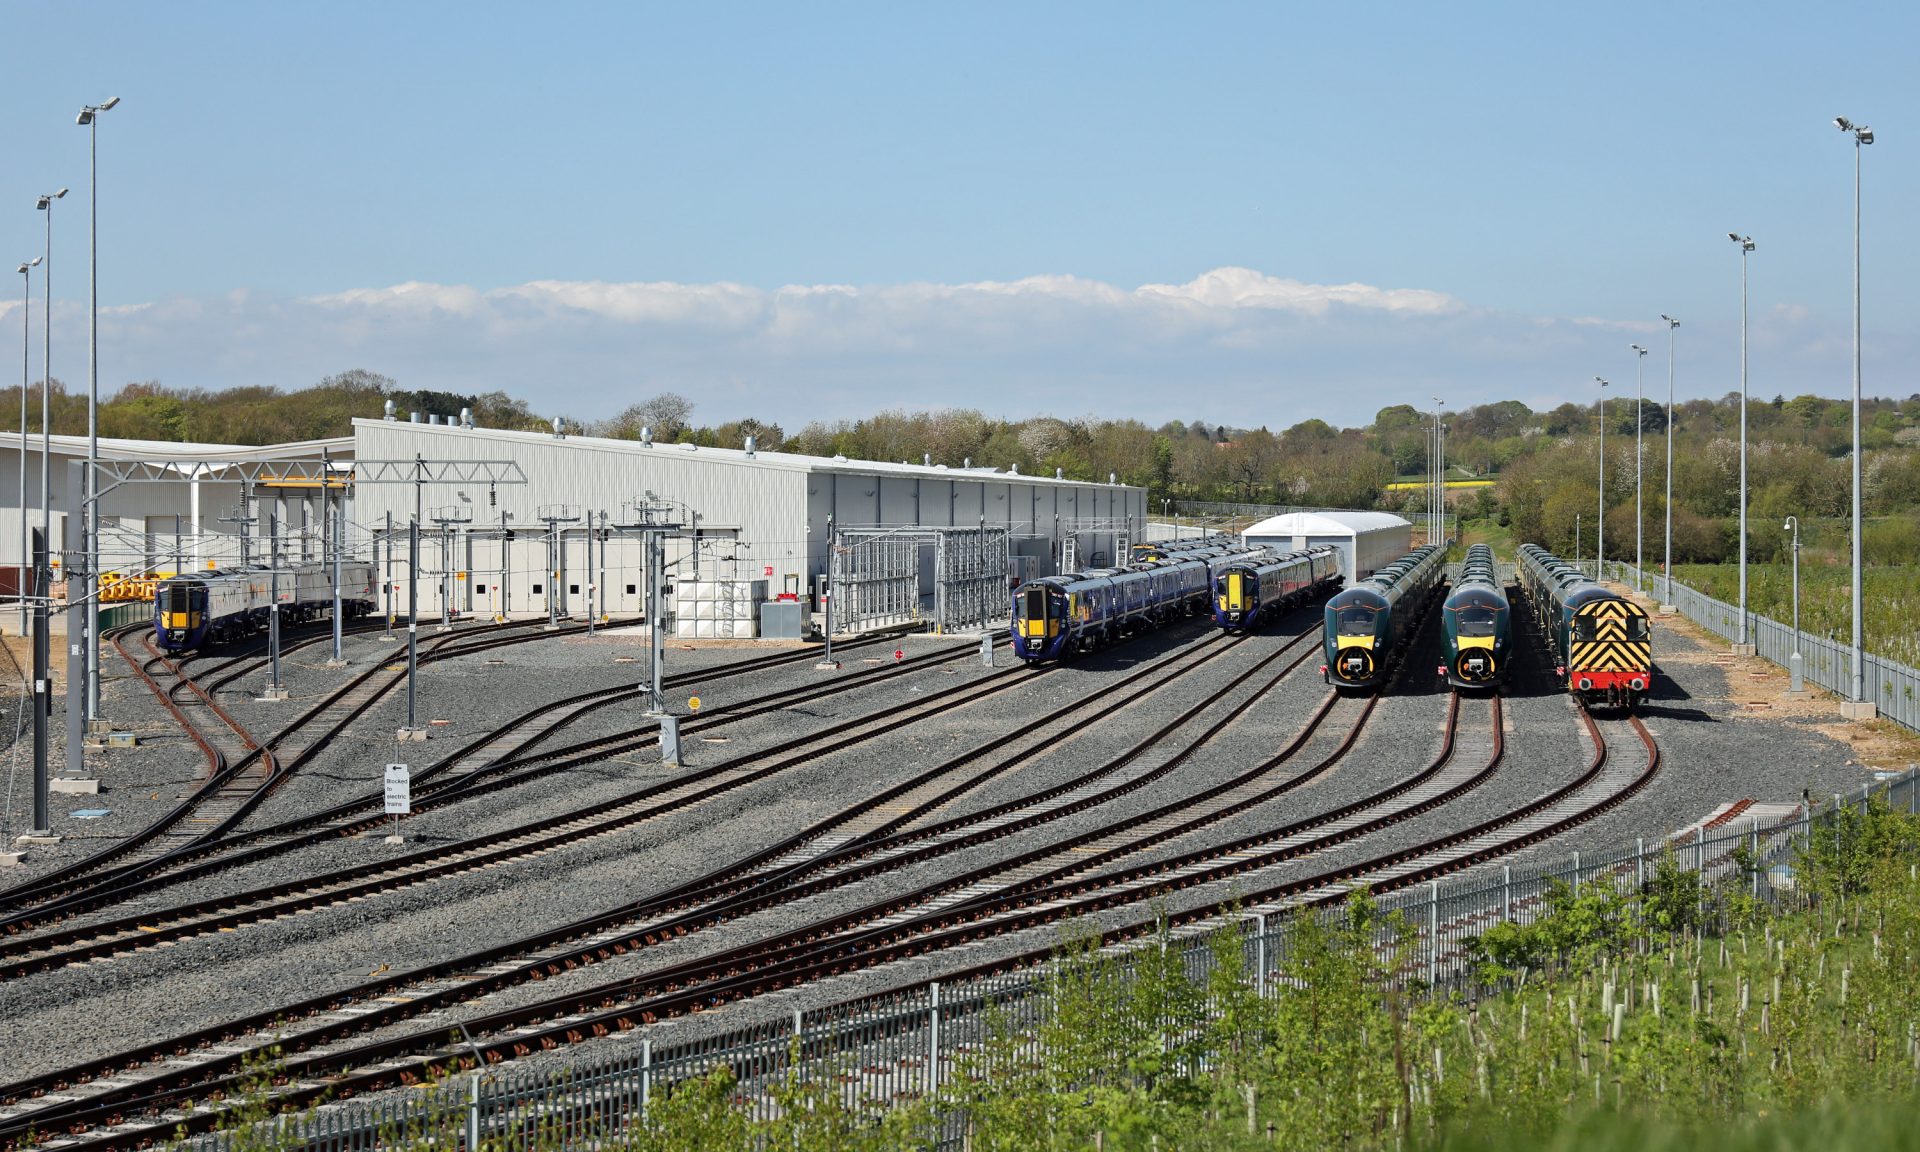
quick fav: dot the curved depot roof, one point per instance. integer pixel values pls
(1326, 524)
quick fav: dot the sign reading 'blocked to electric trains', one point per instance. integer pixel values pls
(399, 790)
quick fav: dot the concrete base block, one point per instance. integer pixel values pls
(1858, 710)
(272, 695)
(123, 740)
(9, 859)
(406, 735)
(99, 727)
(72, 787)
(1742, 649)
(334, 664)
(827, 666)
(396, 838)
(39, 838)
(1669, 609)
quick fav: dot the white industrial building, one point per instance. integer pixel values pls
(1366, 541)
(753, 518)
(177, 515)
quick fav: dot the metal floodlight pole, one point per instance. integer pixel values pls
(1746, 246)
(26, 380)
(1667, 566)
(1639, 405)
(89, 119)
(1795, 664)
(1862, 135)
(1600, 533)
(45, 204)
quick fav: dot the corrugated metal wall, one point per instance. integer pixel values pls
(776, 509)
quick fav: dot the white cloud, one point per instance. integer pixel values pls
(1233, 345)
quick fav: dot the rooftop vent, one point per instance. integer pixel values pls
(559, 427)
(966, 462)
(1113, 478)
(466, 418)
(926, 459)
(387, 411)
(689, 447)
(1059, 474)
(1013, 469)
(839, 458)
(413, 417)
(749, 447)
(646, 436)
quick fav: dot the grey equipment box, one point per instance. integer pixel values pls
(782, 619)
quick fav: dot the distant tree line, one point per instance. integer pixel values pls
(1543, 463)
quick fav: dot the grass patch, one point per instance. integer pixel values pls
(1892, 600)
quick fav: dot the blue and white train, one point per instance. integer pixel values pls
(225, 604)
(1250, 590)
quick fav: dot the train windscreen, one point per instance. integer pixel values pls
(1475, 621)
(1356, 621)
(179, 598)
(1033, 604)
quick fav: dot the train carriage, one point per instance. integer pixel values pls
(1367, 622)
(224, 604)
(1476, 625)
(1601, 641)
(1055, 617)
(1248, 591)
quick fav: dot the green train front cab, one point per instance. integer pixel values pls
(1357, 638)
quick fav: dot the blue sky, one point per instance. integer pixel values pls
(592, 202)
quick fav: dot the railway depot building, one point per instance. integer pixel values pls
(922, 542)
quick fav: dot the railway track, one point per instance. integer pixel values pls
(247, 847)
(1031, 898)
(1216, 648)
(42, 950)
(233, 785)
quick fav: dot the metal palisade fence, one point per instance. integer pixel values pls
(876, 1052)
(1893, 687)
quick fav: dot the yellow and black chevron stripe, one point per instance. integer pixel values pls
(1610, 650)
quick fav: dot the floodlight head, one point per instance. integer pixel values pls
(111, 101)
(1864, 135)
(1671, 322)
(23, 269)
(60, 195)
(1602, 380)
(1842, 123)
(85, 118)
(1638, 349)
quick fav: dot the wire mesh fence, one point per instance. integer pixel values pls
(1890, 685)
(875, 1052)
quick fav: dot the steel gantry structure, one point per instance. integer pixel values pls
(329, 475)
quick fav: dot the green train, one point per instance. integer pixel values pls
(1368, 621)
(1476, 624)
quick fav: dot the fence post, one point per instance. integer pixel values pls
(1639, 863)
(1506, 892)
(933, 1038)
(646, 1076)
(1260, 955)
(473, 1110)
(1433, 932)
(1753, 850)
(1576, 873)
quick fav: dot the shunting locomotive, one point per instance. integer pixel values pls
(1477, 624)
(1600, 639)
(1250, 590)
(1367, 622)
